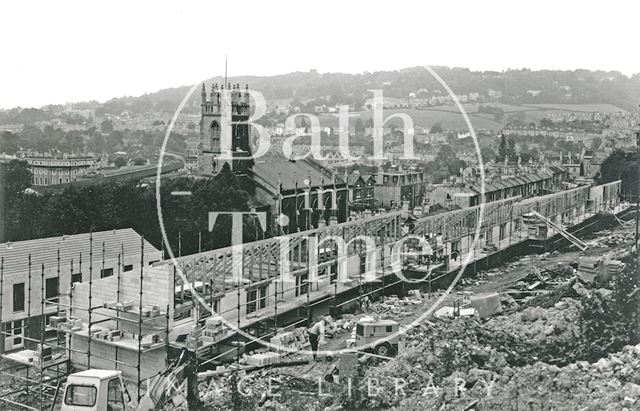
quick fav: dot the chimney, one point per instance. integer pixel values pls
(9, 245)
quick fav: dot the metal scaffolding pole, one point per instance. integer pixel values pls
(90, 297)
(2, 335)
(68, 337)
(637, 236)
(140, 315)
(27, 330)
(42, 329)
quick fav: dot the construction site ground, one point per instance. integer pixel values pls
(486, 349)
(496, 344)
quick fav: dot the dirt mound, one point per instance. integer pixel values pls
(612, 383)
(555, 323)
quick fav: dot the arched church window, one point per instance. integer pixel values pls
(215, 134)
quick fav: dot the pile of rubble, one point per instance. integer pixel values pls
(395, 308)
(436, 351)
(453, 368)
(523, 263)
(540, 324)
(611, 383)
(612, 240)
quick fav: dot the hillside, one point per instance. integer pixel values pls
(531, 93)
(551, 89)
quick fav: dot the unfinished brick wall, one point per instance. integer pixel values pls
(157, 289)
(151, 362)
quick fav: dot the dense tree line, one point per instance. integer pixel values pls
(445, 164)
(586, 87)
(91, 139)
(621, 165)
(28, 214)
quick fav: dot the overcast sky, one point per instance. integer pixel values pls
(56, 52)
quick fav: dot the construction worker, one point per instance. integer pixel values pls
(316, 333)
(427, 251)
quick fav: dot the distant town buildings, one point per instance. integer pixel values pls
(395, 187)
(468, 193)
(51, 169)
(362, 192)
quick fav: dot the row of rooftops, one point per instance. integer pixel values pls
(498, 184)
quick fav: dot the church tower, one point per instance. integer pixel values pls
(224, 131)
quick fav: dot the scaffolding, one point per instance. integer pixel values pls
(47, 366)
(262, 314)
(260, 305)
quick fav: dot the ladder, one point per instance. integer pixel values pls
(567, 235)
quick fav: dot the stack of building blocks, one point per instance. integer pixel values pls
(214, 330)
(56, 320)
(70, 324)
(100, 333)
(588, 268)
(263, 359)
(195, 338)
(291, 340)
(149, 340)
(151, 311)
(614, 267)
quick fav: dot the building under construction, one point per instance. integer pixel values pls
(109, 300)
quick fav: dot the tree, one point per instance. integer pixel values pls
(97, 143)
(445, 164)
(596, 143)
(9, 142)
(15, 178)
(511, 148)
(139, 161)
(487, 154)
(621, 166)
(115, 139)
(120, 162)
(436, 128)
(106, 126)
(503, 149)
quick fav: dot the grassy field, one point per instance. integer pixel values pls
(451, 119)
(603, 108)
(473, 107)
(425, 118)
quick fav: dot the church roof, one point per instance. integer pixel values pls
(292, 174)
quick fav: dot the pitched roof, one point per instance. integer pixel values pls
(45, 250)
(353, 178)
(291, 172)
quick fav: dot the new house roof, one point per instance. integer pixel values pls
(45, 250)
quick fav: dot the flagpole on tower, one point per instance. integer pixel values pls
(225, 69)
